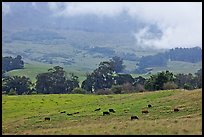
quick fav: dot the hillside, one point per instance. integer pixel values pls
(25, 114)
(32, 69)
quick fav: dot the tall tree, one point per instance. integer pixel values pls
(20, 84)
(117, 64)
(54, 82)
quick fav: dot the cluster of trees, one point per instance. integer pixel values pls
(10, 63)
(55, 81)
(161, 59)
(105, 79)
(182, 54)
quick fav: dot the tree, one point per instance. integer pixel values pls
(9, 63)
(156, 82)
(100, 78)
(185, 80)
(117, 64)
(20, 84)
(122, 79)
(54, 81)
(198, 78)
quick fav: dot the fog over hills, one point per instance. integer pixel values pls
(73, 30)
(153, 22)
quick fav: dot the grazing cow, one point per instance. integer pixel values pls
(106, 113)
(76, 113)
(69, 114)
(145, 111)
(63, 112)
(176, 109)
(149, 106)
(134, 117)
(97, 109)
(111, 110)
(47, 118)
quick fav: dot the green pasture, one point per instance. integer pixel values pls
(24, 114)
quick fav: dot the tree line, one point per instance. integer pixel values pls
(106, 79)
(161, 59)
(10, 63)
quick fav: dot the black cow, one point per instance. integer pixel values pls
(149, 106)
(111, 110)
(63, 112)
(106, 113)
(97, 109)
(134, 117)
(145, 111)
(76, 113)
(47, 118)
(69, 114)
(176, 109)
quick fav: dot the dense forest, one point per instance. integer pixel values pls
(106, 79)
(191, 55)
(10, 63)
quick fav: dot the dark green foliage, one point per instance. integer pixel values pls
(117, 64)
(9, 63)
(198, 78)
(55, 82)
(188, 81)
(100, 78)
(159, 59)
(19, 84)
(78, 91)
(139, 80)
(192, 55)
(184, 79)
(188, 86)
(156, 82)
(87, 83)
(12, 92)
(122, 79)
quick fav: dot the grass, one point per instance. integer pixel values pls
(25, 114)
(31, 71)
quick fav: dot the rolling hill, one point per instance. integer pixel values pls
(25, 114)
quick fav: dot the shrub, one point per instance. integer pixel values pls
(116, 89)
(12, 92)
(104, 91)
(140, 88)
(188, 86)
(34, 93)
(78, 91)
(170, 85)
(127, 88)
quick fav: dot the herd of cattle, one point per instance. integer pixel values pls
(112, 111)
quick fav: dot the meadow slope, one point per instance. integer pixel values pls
(24, 114)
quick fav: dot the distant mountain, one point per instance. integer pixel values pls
(25, 15)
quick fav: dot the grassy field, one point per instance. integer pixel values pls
(25, 114)
(31, 71)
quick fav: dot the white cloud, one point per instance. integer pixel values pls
(5, 8)
(181, 23)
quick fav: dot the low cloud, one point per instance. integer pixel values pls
(5, 8)
(180, 23)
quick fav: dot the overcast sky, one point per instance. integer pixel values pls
(180, 22)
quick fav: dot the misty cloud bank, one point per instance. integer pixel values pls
(180, 23)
